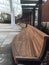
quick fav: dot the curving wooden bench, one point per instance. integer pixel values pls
(29, 44)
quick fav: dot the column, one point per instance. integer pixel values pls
(39, 13)
(12, 14)
(30, 18)
(26, 19)
(34, 17)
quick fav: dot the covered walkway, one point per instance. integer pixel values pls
(20, 42)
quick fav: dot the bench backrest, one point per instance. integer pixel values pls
(39, 40)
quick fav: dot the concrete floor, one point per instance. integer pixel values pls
(6, 37)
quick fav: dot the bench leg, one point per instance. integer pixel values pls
(16, 62)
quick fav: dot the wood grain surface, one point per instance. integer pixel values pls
(29, 44)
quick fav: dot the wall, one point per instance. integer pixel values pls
(45, 12)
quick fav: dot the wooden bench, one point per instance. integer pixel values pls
(29, 44)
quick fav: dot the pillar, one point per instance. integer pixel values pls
(30, 18)
(34, 17)
(12, 14)
(39, 13)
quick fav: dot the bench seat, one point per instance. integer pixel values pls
(29, 44)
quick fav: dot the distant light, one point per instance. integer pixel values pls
(27, 8)
(0, 12)
(44, 0)
(28, 4)
(37, 8)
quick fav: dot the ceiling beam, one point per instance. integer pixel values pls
(28, 1)
(28, 8)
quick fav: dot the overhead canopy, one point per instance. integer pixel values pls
(5, 6)
(31, 1)
(28, 5)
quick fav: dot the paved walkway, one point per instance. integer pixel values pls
(6, 37)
